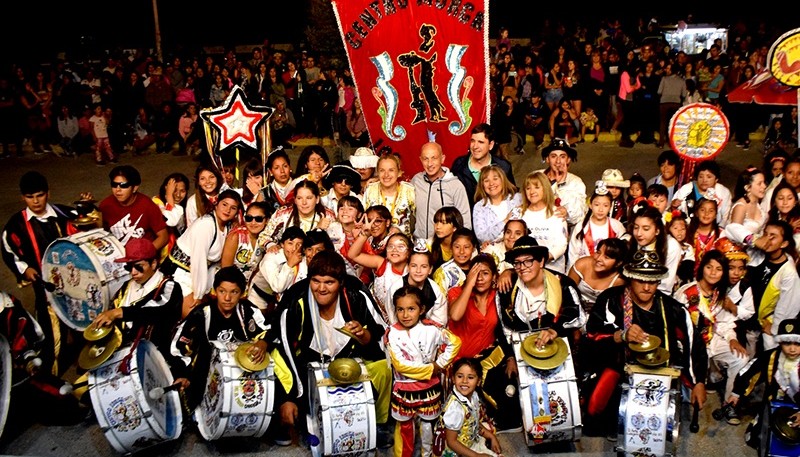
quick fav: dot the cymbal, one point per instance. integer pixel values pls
(548, 363)
(347, 332)
(98, 352)
(95, 333)
(649, 345)
(546, 351)
(654, 358)
(345, 370)
(781, 423)
(245, 361)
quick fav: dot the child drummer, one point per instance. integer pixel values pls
(780, 368)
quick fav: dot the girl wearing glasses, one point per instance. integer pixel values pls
(387, 270)
(241, 245)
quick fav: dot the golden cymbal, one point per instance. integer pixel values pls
(549, 363)
(95, 333)
(546, 351)
(654, 358)
(649, 345)
(245, 361)
(347, 332)
(97, 353)
(345, 370)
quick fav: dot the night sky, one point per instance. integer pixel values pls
(41, 31)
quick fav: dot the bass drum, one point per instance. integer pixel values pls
(6, 371)
(85, 277)
(342, 416)
(558, 416)
(130, 419)
(649, 416)
(236, 402)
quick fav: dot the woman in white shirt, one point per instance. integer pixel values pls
(545, 225)
(496, 202)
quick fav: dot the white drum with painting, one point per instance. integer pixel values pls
(239, 395)
(83, 276)
(129, 415)
(342, 407)
(548, 390)
(649, 413)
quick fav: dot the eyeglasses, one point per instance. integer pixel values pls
(396, 247)
(251, 218)
(133, 265)
(121, 185)
(520, 264)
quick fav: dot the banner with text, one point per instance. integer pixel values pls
(421, 71)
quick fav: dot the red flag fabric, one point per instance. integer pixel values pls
(421, 71)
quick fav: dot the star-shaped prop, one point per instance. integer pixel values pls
(237, 120)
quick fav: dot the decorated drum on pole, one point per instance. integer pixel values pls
(83, 275)
(698, 132)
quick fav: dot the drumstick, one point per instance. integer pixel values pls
(694, 427)
(158, 392)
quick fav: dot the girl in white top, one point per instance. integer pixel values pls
(597, 272)
(545, 225)
(747, 218)
(419, 271)
(306, 212)
(277, 271)
(597, 225)
(397, 196)
(198, 251)
(208, 183)
(387, 270)
(497, 201)
(647, 232)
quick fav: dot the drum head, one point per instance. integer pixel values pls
(781, 423)
(85, 277)
(5, 381)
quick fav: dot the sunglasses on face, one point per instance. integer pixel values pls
(251, 218)
(121, 185)
(134, 266)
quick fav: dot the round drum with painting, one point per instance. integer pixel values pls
(83, 275)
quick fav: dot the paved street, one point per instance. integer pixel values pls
(69, 177)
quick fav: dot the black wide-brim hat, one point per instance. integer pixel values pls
(560, 144)
(526, 245)
(346, 172)
(645, 266)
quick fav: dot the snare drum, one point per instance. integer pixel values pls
(130, 419)
(236, 402)
(649, 416)
(557, 417)
(342, 415)
(85, 276)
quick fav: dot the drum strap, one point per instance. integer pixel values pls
(125, 364)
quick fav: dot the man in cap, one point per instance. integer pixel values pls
(539, 300)
(569, 188)
(468, 167)
(630, 314)
(147, 305)
(436, 187)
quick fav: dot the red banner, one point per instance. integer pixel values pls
(421, 71)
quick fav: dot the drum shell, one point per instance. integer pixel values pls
(82, 268)
(562, 385)
(665, 411)
(129, 418)
(236, 402)
(342, 416)
(6, 371)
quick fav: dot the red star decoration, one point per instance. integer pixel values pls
(237, 120)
